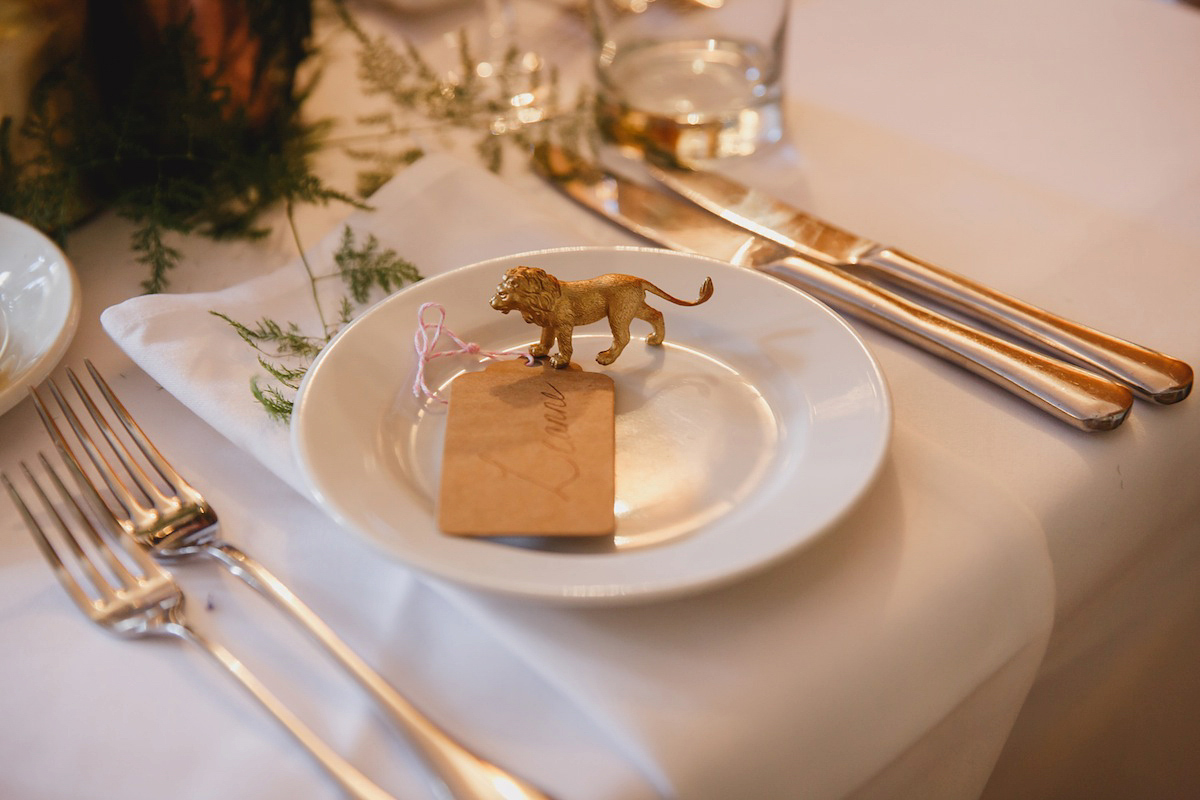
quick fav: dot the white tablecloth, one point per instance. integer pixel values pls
(1012, 599)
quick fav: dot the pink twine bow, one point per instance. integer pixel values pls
(425, 344)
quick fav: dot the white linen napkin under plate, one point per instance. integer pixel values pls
(198, 357)
(809, 680)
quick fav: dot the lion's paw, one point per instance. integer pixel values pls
(559, 361)
(606, 357)
(537, 351)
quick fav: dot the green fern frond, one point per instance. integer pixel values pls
(288, 376)
(369, 266)
(147, 242)
(272, 400)
(287, 339)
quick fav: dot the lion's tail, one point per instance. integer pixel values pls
(706, 291)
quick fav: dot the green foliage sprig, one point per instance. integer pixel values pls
(475, 96)
(369, 266)
(285, 350)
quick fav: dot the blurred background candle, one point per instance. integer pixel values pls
(34, 36)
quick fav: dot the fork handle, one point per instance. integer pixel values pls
(465, 775)
(354, 783)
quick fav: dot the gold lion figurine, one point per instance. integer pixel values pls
(558, 306)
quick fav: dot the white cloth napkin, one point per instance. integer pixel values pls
(803, 681)
(440, 213)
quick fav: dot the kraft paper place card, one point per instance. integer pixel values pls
(529, 451)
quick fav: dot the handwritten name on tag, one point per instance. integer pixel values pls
(529, 451)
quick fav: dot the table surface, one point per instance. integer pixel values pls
(1010, 611)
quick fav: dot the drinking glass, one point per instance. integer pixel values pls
(691, 79)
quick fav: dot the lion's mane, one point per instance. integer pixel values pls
(536, 292)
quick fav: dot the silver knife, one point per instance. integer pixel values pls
(1076, 396)
(1151, 375)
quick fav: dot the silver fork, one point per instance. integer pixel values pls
(132, 596)
(179, 523)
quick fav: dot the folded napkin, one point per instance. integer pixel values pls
(833, 667)
(441, 213)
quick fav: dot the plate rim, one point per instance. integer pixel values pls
(14, 391)
(568, 592)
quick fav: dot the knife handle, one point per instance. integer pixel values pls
(1150, 374)
(1073, 395)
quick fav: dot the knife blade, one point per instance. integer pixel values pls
(1150, 374)
(1069, 393)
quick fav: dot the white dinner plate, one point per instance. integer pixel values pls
(750, 432)
(39, 308)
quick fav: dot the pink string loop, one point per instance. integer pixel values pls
(426, 340)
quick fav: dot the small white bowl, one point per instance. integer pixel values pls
(39, 308)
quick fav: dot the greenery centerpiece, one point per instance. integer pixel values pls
(183, 118)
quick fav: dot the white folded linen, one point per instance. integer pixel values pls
(441, 214)
(805, 680)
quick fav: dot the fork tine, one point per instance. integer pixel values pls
(130, 504)
(124, 539)
(64, 575)
(143, 442)
(89, 531)
(132, 468)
